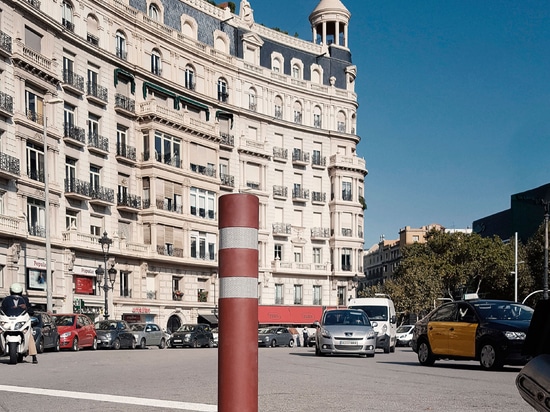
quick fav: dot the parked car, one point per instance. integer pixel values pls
(275, 336)
(148, 334)
(345, 331)
(45, 332)
(76, 331)
(114, 334)
(404, 335)
(196, 336)
(490, 331)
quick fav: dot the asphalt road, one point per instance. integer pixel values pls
(290, 379)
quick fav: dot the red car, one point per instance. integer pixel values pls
(75, 331)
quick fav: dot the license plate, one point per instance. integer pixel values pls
(177, 341)
(349, 342)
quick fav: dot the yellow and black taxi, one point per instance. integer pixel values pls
(491, 331)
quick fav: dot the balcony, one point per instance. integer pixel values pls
(253, 185)
(227, 140)
(125, 105)
(97, 93)
(77, 189)
(6, 104)
(125, 153)
(34, 117)
(165, 158)
(98, 144)
(203, 170)
(34, 62)
(102, 196)
(348, 163)
(34, 3)
(165, 250)
(300, 195)
(9, 166)
(347, 232)
(5, 44)
(227, 180)
(37, 231)
(36, 174)
(69, 25)
(282, 229)
(73, 82)
(300, 158)
(128, 203)
(280, 192)
(280, 154)
(74, 135)
(13, 225)
(318, 197)
(168, 205)
(318, 161)
(320, 233)
(94, 40)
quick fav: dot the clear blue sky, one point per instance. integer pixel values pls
(454, 98)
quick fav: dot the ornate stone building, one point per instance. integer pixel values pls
(133, 117)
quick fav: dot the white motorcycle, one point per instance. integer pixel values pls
(15, 333)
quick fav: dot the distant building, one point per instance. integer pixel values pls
(525, 215)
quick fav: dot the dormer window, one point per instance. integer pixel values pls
(154, 12)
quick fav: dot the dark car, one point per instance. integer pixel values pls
(490, 331)
(275, 336)
(114, 334)
(196, 336)
(45, 332)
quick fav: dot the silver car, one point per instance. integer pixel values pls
(275, 336)
(345, 331)
(148, 334)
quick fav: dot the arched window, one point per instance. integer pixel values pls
(278, 107)
(316, 76)
(154, 12)
(120, 46)
(296, 72)
(317, 117)
(252, 103)
(276, 66)
(223, 94)
(297, 112)
(156, 67)
(67, 15)
(341, 122)
(189, 77)
(93, 30)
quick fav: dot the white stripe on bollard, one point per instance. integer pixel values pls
(239, 287)
(238, 238)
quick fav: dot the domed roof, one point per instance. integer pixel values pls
(330, 6)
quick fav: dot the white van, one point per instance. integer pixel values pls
(382, 311)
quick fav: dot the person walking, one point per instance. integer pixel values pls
(305, 335)
(14, 305)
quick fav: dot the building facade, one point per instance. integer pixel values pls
(132, 117)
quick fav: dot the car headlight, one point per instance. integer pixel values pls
(266, 338)
(65, 335)
(384, 328)
(136, 336)
(371, 334)
(187, 335)
(515, 335)
(108, 335)
(325, 333)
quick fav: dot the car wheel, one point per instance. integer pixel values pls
(425, 356)
(74, 346)
(273, 343)
(40, 345)
(142, 343)
(12, 349)
(291, 343)
(410, 344)
(94, 344)
(392, 349)
(162, 344)
(211, 343)
(133, 344)
(57, 346)
(195, 344)
(116, 344)
(387, 348)
(489, 357)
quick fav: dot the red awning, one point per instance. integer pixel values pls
(289, 315)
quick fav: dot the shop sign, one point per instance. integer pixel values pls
(84, 271)
(141, 310)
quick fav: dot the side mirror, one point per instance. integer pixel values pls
(316, 324)
(393, 319)
(374, 324)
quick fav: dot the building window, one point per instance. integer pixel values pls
(298, 255)
(298, 295)
(223, 94)
(278, 251)
(156, 63)
(120, 45)
(317, 256)
(154, 12)
(317, 295)
(36, 217)
(125, 286)
(96, 225)
(202, 203)
(252, 100)
(189, 78)
(346, 259)
(95, 174)
(34, 107)
(341, 295)
(296, 72)
(279, 296)
(346, 191)
(67, 16)
(167, 149)
(177, 290)
(71, 219)
(35, 162)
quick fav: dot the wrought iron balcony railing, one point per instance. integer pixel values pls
(125, 103)
(73, 79)
(6, 102)
(129, 200)
(9, 164)
(99, 142)
(227, 180)
(280, 153)
(74, 132)
(5, 42)
(77, 186)
(280, 191)
(102, 193)
(97, 91)
(126, 151)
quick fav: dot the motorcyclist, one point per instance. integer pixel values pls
(14, 305)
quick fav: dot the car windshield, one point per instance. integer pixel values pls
(186, 328)
(106, 325)
(64, 320)
(503, 311)
(137, 326)
(404, 329)
(346, 317)
(266, 331)
(374, 312)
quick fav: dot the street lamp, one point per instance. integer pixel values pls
(105, 243)
(49, 291)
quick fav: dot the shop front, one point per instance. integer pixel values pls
(289, 315)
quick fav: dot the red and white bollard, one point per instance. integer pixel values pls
(238, 303)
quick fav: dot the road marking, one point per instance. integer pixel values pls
(157, 403)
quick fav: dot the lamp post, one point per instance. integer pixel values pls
(110, 276)
(49, 291)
